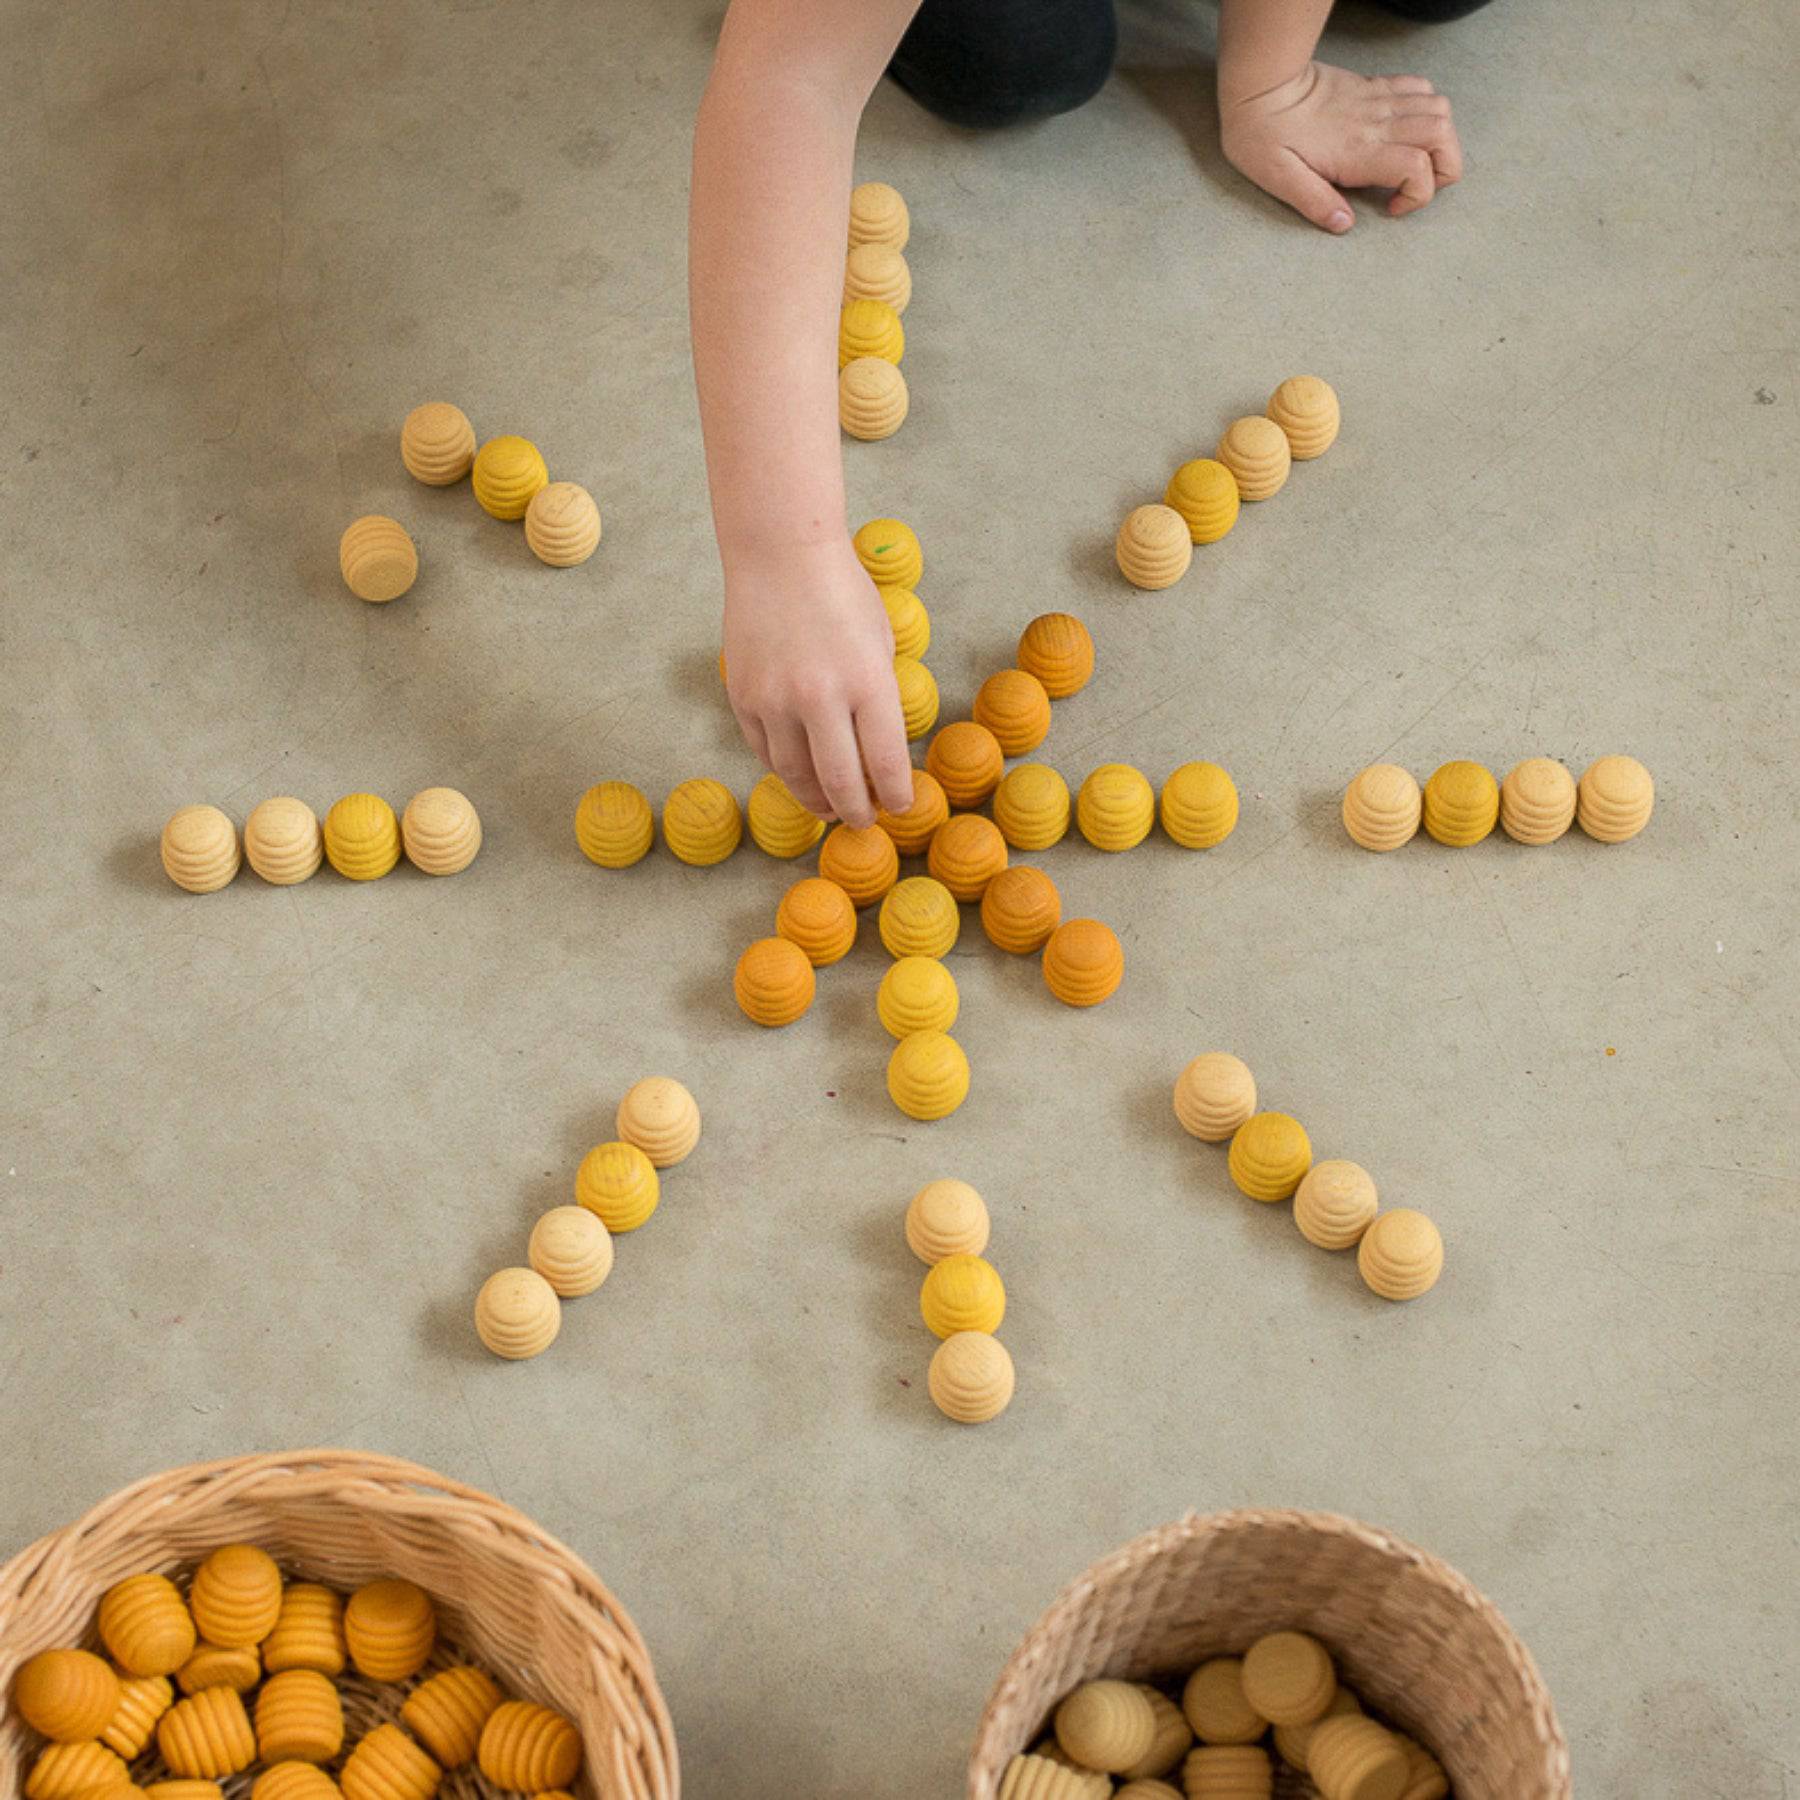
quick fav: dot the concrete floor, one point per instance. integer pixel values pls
(258, 1149)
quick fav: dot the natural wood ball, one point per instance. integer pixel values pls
(1146, 1787)
(928, 1074)
(1057, 648)
(966, 853)
(437, 443)
(877, 272)
(971, 1377)
(1031, 807)
(1214, 1704)
(1382, 807)
(872, 395)
(1537, 801)
(1293, 1741)
(1020, 910)
(207, 1736)
(517, 1314)
(309, 1631)
(1615, 799)
(659, 1115)
(66, 1695)
(1084, 962)
(508, 471)
(282, 841)
(1214, 1095)
(1461, 803)
(235, 1597)
(362, 837)
(918, 695)
(916, 994)
(1306, 409)
(1332, 1208)
(614, 825)
(1199, 805)
(1154, 547)
(1352, 1758)
(919, 917)
(145, 1625)
(1256, 452)
(1015, 707)
(820, 917)
(562, 524)
(1401, 1254)
(528, 1748)
(1106, 1725)
(878, 215)
(200, 849)
(220, 1665)
(1174, 1737)
(967, 762)
(618, 1184)
(779, 825)
(441, 831)
(1205, 493)
(889, 552)
(1425, 1777)
(862, 861)
(1228, 1772)
(143, 1699)
(773, 982)
(913, 830)
(299, 1718)
(571, 1249)
(377, 558)
(1040, 1776)
(1115, 808)
(962, 1293)
(946, 1218)
(390, 1625)
(908, 619)
(80, 1771)
(447, 1712)
(1288, 1677)
(869, 328)
(1270, 1153)
(387, 1765)
(701, 822)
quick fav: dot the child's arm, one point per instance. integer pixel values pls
(1296, 126)
(807, 643)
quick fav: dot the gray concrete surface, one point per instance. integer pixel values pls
(258, 1149)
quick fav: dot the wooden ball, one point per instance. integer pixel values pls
(1228, 1772)
(779, 825)
(913, 830)
(1153, 548)
(1537, 801)
(66, 1695)
(571, 1249)
(1084, 962)
(878, 215)
(1270, 1153)
(877, 272)
(387, 1765)
(437, 443)
(1173, 1739)
(441, 831)
(1382, 807)
(918, 695)
(919, 917)
(917, 994)
(962, 1293)
(614, 825)
(299, 1718)
(362, 837)
(1461, 803)
(701, 822)
(1042, 1775)
(508, 471)
(390, 1626)
(618, 1184)
(967, 762)
(1352, 1758)
(946, 1218)
(1288, 1677)
(1333, 1206)
(869, 328)
(908, 619)
(516, 1316)
(889, 551)
(81, 1771)
(971, 1377)
(1425, 1777)
(773, 982)
(1214, 1095)
(1306, 409)
(377, 559)
(1057, 649)
(1401, 1254)
(236, 1596)
(1115, 808)
(966, 853)
(863, 862)
(145, 1625)
(309, 1631)
(220, 1665)
(928, 1074)
(200, 849)
(143, 1699)
(1205, 493)
(872, 396)
(1147, 1788)
(1020, 909)
(820, 917)
(318, 1786)
(1106, 1725)
(659, 1115)
(283, 842)
(562, 524)
(1256, 452)
(1015, 707)
(1293, 1741)
(447, 1712)
(1615, 799)
(1199, 805)
(1214, 1704)
(528, 1748)
(207, 1736)
(1031, 807)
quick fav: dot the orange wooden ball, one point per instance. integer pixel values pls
(774, 982)
(1057, 648)
(913, 829)
(966, 854)
(1015, 707)
(967, 762)
(1020, 910)
(864, 863)
(1084, 962)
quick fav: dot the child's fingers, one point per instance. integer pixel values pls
(1404, 84)
(1434, 134)
(1308, 193)
(838, 764)
(756, 738)
(881, 731)
(1406, 170)
(791, 758)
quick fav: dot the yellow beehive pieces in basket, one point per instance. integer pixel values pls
(437, 443)
(869, 328)
(562, 524)
(207, 1736)
(81, 1771)
(1040, 1777)
(1614, 799)
(1461, 803)
(872, 396)
(701, 822)
(820, 917)
(377, 558)
(220, 1665)
(946, 1218)
(440, 831)
(1020, 910)
(1293, 1741)
(1205, 493)
(1307, 411)
(1425, 1778)
(309, 1631)
(1115, 808)
(1332, 1208)
(281, 1781)
(1084, 962)
(447, 1712)
(1352, 1758)
(1382, 807)
(773, 982)
(1288, 1678)
(878, 215)
(1106, 1725)
(572, 1249)
(200, 849)
(66, 1695)
(387, 1765)
(1031, 807)
(1401, 1254)
(508, 471)
(619, 1185)
(966, 761)
(1154, 547)
(146, 1626)
(1173, 1737)
(919, 917)
(966, 853)
(178, 1789)
(299, 1718)
(890, 553)
(971, 1378)
(1270, 1153)
(1057, 648)
(1228, 1772)
(917, 994)
(1537, 801)
(779, 825)
(863, 862)
(877, 272)
(928, 1074)
(1146, 1787)
(362, 837)
(962, 1293)
(143, 1699)
(1256, 452)
(614, 825)
(908, 620)
(660, 1116)
(913, 830)
(1199, 805)
(528, 1748)
(1015, 707)
(918, 695)
(1214, 1095)
(390, 1628)
(1214, 1704)
(283, 842)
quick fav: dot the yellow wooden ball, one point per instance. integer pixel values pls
(962, 1293)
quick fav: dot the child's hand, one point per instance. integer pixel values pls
(810, 659)
(1329, 126)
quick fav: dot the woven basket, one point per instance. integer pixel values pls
(1410, 1636)
(508, 1596)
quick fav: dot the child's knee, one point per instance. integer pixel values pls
(965, 65)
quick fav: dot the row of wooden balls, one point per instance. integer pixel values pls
(962, 1300)
(1156, 543)
(518, 1311)
(1399, 1253)
(872, 396)
(238, 1624)
(283, 841)
(1536, 803)
(1283, 1691)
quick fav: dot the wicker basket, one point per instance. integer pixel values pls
(508, 1596)
(1414, 1640)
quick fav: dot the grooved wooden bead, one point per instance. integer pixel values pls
(877, 272)
(889, 552)
(437, 443)
(878, 215)
(1401, 1254)
(1256, 452)
(377, 558)
(447, 1712)
(869, 328)
(918, 695)
(1040, 1777)
(818, 916)
(178, 1789)
(917, 994)
(200, 849)
(908, 619)
(1615, 798)
(1147, 1788)
(913, 830)
(963, 1293)
(517, 1316)
(1382, 807)
(1293, 1741)
(1084, 962)
(1425, 1778)
(773, 982)
(1537, 801)
(1332, 1207)
(1015, 707)
(362, 837)
(220, 1665)
(1214, 1705)
(614, 825)
(701, 822)
(440, 830)
(1205, 493)
(1288, 1678)
(572, 1250)
(309, 1631)
(66, 1695)
(1228, 1772)
(1461, 803)
(1214, 1095)
(1173, 1737)
(508, 471)
(283, 842)
(387, 1765)
(207, 1736)
(928, 1074)
(562, 524)
(1154, 547)
(1057, 649)
(1020, 910)
(390, 1626)
(863, 862)
(1106, 1725)
(299, 1718)
(81, 1771)
(143, 1699)
(779, 825)
(618, 1184)
(919, 917)
(966, 853)
(1031, 807)
(659, 1115)
(1115, 808)
(1353, 1758)
(1199, 805)
(528, 1747)
(872, 395)
(967, 762)
(946, 1218)
(971, 1377)
(282, 1781)
(1306, 409)
(1270, 1153)
(146, 1626)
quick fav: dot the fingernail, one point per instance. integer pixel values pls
(1339, 221)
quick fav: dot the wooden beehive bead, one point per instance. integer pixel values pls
(614, 825)
(66, 1695)
(869, 328)
(660, 1116)
(1058, 649)
(966, 853)
(1288, 1677)
(178, 1789)
(1020, 910)
(779, 825)
(562, 524)
(143, 1699)
(1214, 1704)
(387, 1765)
(517, 1317)
(447, 1712)
(1401, 1254)
(1031, 807)
(1214, 1095)
(299, 1718)
(1205, 493)
(946, 1218)
(1615, 799)
(1015, 706)
(390, 1626)
(146, 1626)
(862, 861)
(1332, 1207)
(309, 1631)
(965, 1293)
(967, 762)
(1306, 409)
(528, 1748)
(878, 215)
(220, 1665)
(1153, 548)
(820, 917)
(437, 443)
(1256, 452)
(572, 1249)
(1353, 1758)
(1270, 1154)
(928, 1074)
(377, 559)
(1537, 801)
(282, 841)
(971, 1377)
(877, 272)
(913, 830)
(872, 395)
(1461, 803)
(1115, 808)
(918, 695)
(889, 552)
(1147, 1788)
(1106, 1725)
(200, 849)
(508, 471)
(282, 1781)
(440, 831)
(1382, 807)
(207, 1735)
(1199, 805)
(1173, 1738)
(82, 1771)
(1425, 1777)
(618, 1184)
(773, 982)
(1228, 1772)
(701, 822)
(1292, 1741)
(1084, 962)
(362, 837)
(908, 620)
(1040, 1777)
(917, 994)
(919, 917)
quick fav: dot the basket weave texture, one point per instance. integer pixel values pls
(508, 1596)
(1414, 1640)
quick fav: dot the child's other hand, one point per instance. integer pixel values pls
(1329, 126)
(810, 658)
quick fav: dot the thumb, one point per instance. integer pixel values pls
(1308, 193)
